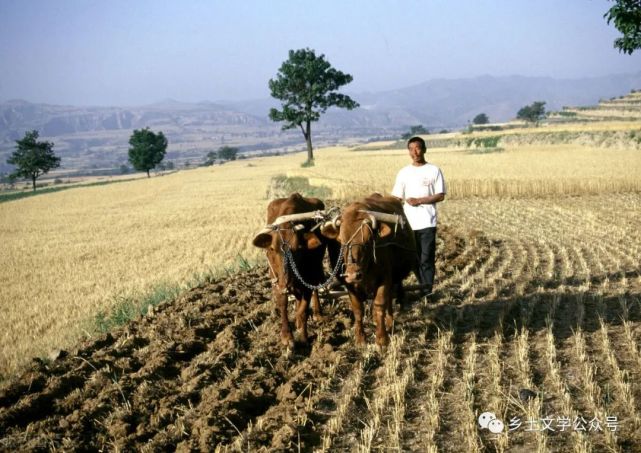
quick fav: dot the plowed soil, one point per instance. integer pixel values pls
(207, 370)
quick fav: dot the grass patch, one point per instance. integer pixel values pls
(485, 150)
(282, 186)
(129, 308)
(398, 144)
(483, 142)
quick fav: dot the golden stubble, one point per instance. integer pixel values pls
(517, 171)
(68, 255)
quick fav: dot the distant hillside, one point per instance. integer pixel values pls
(452, 103)
(54, 120)
(442, 103)
(96, 137)
(619, 108)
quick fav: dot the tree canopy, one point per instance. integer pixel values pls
(210, 158)
(626, 15)
(419, 129)
(147, 149)
(227, 153)
(33, 158)
(532, 113)
(481, 118)
(224, 153)
(306, 85)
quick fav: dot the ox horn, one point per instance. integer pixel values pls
(295, 217)
(290, 218)
(335, 222)
(373, 221)
(264, 230)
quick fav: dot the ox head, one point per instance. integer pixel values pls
(287, 231)
(356, 229)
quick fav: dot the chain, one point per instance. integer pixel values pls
(289, 258)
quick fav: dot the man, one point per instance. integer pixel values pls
(421, 185)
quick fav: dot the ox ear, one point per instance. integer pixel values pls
(329, 231)
(262, 240)
(384, 230)
(312, 240)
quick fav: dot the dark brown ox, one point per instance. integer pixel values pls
(289, 224)
(378, 252)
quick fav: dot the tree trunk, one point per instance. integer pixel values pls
(33, 179)
(308, 139)
(147, 173)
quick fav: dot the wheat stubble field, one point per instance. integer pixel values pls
(539, 289)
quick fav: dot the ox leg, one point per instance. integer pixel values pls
(301, 315)
(400, 296)
(381, 304)
(357, 310)
(316, 308)
(286, 336)
(389, 313)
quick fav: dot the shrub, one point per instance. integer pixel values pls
(483, 142)
(282, 186)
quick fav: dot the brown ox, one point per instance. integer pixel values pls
(378, 252)
(289, 224)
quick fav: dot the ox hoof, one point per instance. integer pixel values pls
(382, 342)
(360, 341)
(302, 338)
(287, 341)
(389, 323)
(319, 318)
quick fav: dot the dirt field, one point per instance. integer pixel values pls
(532, 303)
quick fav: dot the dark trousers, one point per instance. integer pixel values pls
(426, 250)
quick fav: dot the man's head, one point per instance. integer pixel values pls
(416, 147)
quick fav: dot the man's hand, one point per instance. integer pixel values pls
(413, 201)
(425, 200)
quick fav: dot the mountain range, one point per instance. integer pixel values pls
(96, 137)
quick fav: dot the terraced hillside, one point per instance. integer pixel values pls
(538, 320)
(626, 107)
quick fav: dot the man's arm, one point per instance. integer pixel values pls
(430, 199)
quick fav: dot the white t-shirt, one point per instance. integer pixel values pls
(417, 182)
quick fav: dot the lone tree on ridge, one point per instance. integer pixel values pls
(147, 149)
(33, 158)
(419, 129)
(481, 118)
(626, 15)
(210, 158)
(307, 86)
(227, 153)
(532, 113)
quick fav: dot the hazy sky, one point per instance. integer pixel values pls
(117, 52)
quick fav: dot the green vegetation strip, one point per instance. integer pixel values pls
(26, 194)
(129, 308)
(282, 186)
